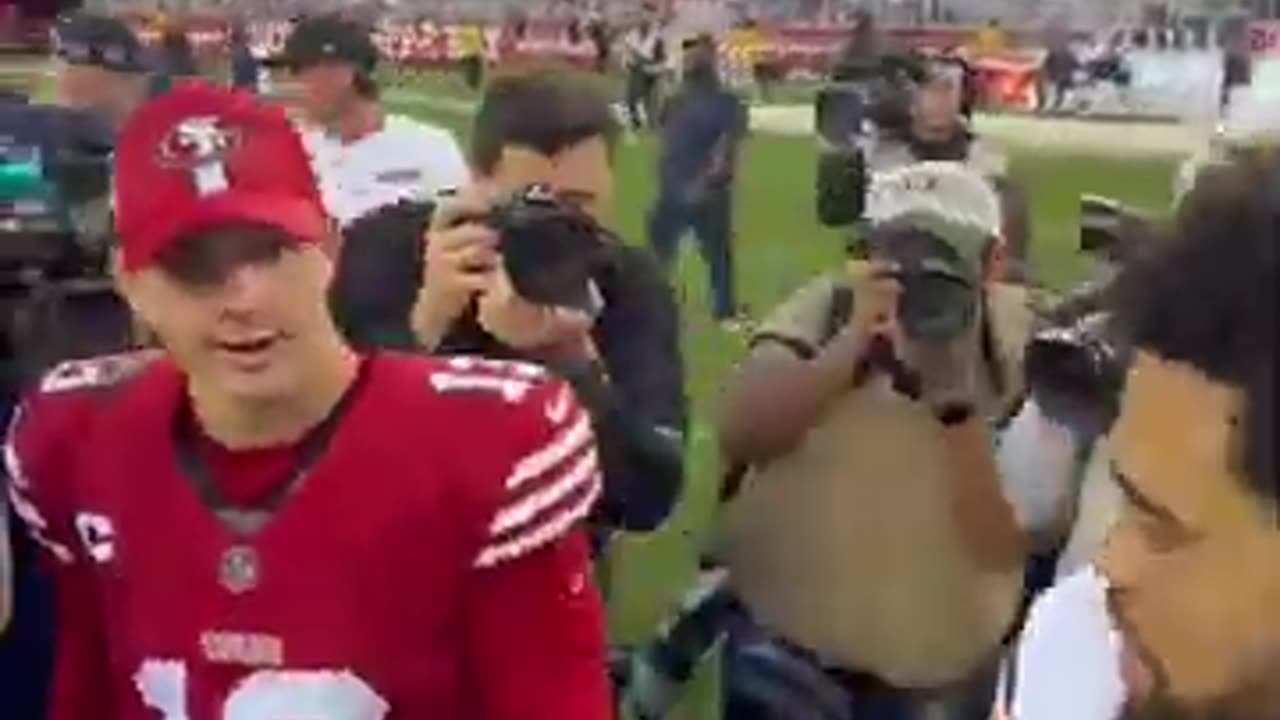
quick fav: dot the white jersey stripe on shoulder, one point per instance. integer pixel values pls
(13, 461)
(37, 526)
(541, 535)
(528, 507)
(562, 446)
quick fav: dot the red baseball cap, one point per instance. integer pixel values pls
(200, 156)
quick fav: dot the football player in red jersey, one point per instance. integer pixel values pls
(260, 524)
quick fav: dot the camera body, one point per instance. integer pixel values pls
(1075, 365)
(1076, 371)
(1107, 227)
(867, 104)
(55, 177)
(862, 96)
(551, 250)
(56, 295)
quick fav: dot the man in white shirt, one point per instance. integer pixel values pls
(364, 157)
(1179, 620)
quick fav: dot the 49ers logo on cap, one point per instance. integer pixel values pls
(200, 145)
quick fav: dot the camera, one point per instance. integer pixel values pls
(1107, 227)
(55, 170)
(937, 302)
(1075, 365)
(551, 250)
(1076, 372)
(859, 95)
(874, 93)
(56, 296)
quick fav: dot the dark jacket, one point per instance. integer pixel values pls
(639, 412)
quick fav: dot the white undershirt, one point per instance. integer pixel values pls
(406, 159)
(1068, 665)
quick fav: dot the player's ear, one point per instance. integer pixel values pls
(126, 284)
(121, 278)
(332, 244)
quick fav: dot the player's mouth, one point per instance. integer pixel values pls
(1140, 672)
(250, 353)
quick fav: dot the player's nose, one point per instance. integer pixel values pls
(245, 288)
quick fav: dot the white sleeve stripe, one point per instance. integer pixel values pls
(60, 551)
(36, 527)
(553, 453)
(541, 535)
(527, 508)
(13, 461)
(26, 510)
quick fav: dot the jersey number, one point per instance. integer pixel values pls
(266, 694)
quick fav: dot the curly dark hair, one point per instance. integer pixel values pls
(1207, 296)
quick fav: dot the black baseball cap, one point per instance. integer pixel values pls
(107, 42)
(330, 38)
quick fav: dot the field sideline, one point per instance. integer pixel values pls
(779, 245)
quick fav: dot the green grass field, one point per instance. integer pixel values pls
(778, 245)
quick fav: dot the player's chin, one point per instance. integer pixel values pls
(267, 377)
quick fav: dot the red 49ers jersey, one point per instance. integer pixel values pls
(428, 565)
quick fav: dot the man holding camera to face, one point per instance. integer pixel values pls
(520, 265)
(881, 114)
(869, 533)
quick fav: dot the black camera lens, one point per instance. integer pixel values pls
(550, 250)
(935, 307)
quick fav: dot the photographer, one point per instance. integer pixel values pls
(619, 342)
(868, 523)
(885, 111)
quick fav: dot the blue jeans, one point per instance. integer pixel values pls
(711, 221)
(769, 679)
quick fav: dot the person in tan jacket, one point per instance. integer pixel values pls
(873, 531)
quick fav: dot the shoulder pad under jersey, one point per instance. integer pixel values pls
(103, 371)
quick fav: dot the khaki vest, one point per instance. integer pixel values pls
(846, 546)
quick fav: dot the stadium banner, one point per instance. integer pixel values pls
(1177, 83)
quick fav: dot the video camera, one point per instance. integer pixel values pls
(863, 94)
(56, 297)
(55, 172)
(551, 250)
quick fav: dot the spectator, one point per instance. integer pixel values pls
(244, 66)
(644, 55)
(103, 66)
(601, 36)
(364, 157)
(868, 524)
(991, 39)
(176, 59)
(1059, 74)
(471, 54)
(551, 127)
(703, 125)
